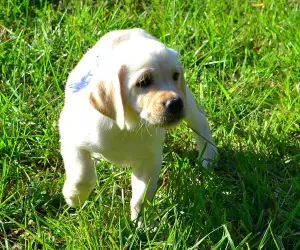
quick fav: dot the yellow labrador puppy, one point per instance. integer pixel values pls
(119, 100)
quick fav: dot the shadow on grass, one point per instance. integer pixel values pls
(247, 191)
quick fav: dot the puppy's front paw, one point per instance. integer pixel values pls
(206, 164)
(147, 222)
(75, 195)
(209, 158)
(72, 202)
(73, 199)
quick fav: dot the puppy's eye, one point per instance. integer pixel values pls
(145, 81)
(175, 76)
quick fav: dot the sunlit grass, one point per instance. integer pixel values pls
(242, 63)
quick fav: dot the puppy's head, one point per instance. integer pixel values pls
(148, 86)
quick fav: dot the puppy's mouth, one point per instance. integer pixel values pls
(171, 120)
(165, 120)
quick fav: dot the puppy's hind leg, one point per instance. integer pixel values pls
(197, 121)
(80, 175)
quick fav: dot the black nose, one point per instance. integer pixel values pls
(174, 105)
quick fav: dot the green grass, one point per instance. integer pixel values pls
(243, 65)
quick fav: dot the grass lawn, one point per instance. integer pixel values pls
(242, 62)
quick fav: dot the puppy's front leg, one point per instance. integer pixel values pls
(198, 123)
(80, 175)
(144, 178)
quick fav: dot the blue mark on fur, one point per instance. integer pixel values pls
(82, 84)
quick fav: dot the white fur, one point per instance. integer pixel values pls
(128, 138)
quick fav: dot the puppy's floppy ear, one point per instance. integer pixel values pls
(107, 98)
